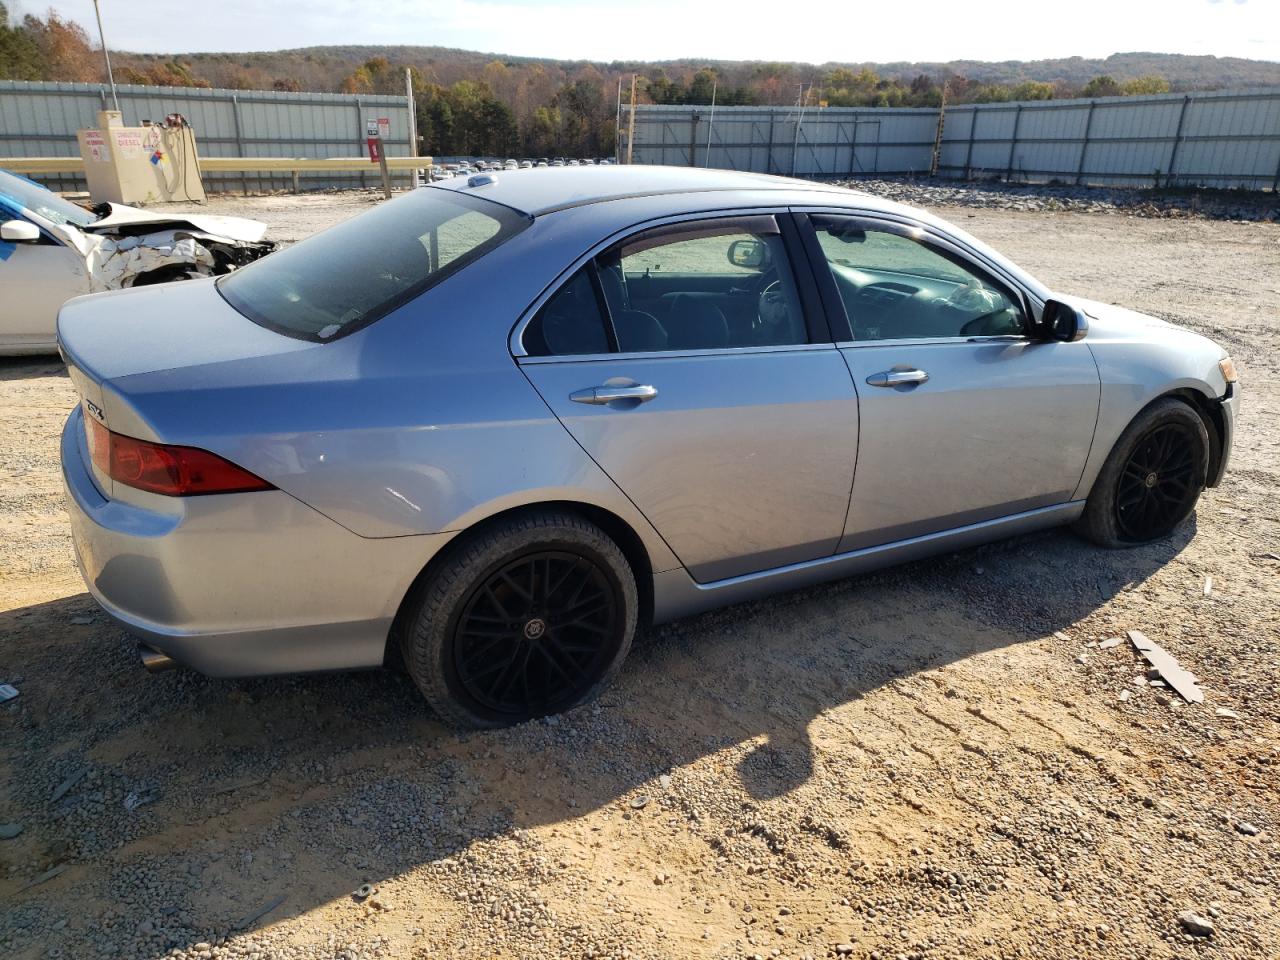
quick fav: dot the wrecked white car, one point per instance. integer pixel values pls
(52, 250)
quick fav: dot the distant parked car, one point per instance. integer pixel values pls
(526, 164)
(52, 250)
(511, 165)
(541, 163)
(488, 429)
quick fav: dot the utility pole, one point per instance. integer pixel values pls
(937, 137)
(631, 121)
(795, 143)
(413, 126)
(106, 55)
(710, 123)
(617, 123)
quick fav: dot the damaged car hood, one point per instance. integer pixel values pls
(236, 229)
(129, 246)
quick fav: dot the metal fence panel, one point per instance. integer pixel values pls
(815, 143)
(41, 119)
(1213, 138)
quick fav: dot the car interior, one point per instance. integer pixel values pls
(894, 287)
(733, 289)
(727, 288)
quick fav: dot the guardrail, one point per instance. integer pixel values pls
(293, 165)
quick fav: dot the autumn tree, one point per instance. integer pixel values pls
(1101, 86)
(1151, 83)
(64, 48)
(167, 74)
(1032, 90)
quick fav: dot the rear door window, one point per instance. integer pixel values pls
(715, 284)
(571, 323)
(348, 276)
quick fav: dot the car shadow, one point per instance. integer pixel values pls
(304, 788)
(29, 368)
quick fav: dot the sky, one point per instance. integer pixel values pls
(845, 30)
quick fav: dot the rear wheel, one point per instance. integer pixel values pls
(1152, 479)
(529, 617)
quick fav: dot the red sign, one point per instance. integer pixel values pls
(375, 144)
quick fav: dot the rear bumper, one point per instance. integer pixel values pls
(242, 584)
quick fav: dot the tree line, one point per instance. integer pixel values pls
(469, 104)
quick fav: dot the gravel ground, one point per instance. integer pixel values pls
(935, 762)
(1207, 204)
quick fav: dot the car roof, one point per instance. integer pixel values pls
(549, 190)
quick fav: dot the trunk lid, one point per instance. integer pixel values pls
(104, 337)
(119, 333)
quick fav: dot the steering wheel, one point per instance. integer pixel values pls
(772, 309)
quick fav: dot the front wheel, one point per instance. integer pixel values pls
(1152, 479)
(529, 617)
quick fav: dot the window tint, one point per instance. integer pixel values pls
(570, 323)
(350, 275)
(895, 287)
(705, 286)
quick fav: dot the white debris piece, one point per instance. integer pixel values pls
(1181, 681)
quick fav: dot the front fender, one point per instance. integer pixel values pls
(1138, 368)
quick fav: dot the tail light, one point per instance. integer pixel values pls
(166, 469)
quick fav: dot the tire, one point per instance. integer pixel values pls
(1151, 480)
(527, 617)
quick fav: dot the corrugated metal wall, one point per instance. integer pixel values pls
(1211, 139)
(41, 120)
(812, 143)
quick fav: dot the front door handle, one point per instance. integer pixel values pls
(897, 377)
(640, 392)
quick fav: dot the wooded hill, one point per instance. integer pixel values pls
(492, 104)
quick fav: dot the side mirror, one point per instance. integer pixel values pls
(19, 231)
(1063, 322)
(751, 254)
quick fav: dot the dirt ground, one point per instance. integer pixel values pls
(934, 762)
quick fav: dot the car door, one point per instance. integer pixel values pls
(736, 436)
(964, 416)
(36, 278)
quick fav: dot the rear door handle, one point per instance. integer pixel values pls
(897, 377)
(640, 392)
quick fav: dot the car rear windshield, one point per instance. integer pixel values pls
(348, 276)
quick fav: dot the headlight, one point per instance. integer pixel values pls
(1228, 368)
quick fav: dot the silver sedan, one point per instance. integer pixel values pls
(493, 427)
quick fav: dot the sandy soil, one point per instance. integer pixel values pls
(932, 762)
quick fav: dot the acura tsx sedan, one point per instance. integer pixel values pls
(490, 428)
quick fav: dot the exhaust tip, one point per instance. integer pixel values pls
(153, 661)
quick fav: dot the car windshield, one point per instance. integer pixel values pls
(28, 195)
(338, 281)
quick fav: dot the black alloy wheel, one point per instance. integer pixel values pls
(1158, 485)
(536, 633)
(1151, 479)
